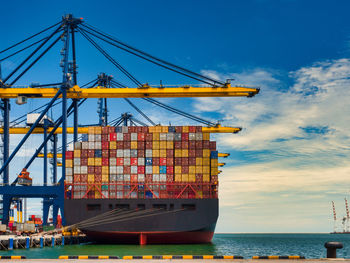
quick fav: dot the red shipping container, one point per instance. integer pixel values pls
(199, 153)
(192, 153)
(169, 170)
(177, 145)
(212, 146)
(91, 169)
(140, 153)
(199, 145)
(120, 161)
(184, 161)
(126, 136)
(105, 130)
(184, 145)
(149, 145)
(69, 154)
(155, 161)
(84, 154)
(140, 169)
(105, 153)
(169, 161)
(163, 194)
(169, 153)
(191, 195)
(113, 136)
(112, 153)
(198, 128)
(206, 144)
(192, 161)
(127, 145)
(83, 178)
(105, 161)
(104, 137)
(91, 153)
(162, 161)
(148, 178)
(178, 129)
(141, 137)
(105, 145)
(120, 145)
(199, 178)
(133, 161)
(144, 129)
(169, 178)
(111, 129)
(133, 178)
(83, 161)
(184, 169)
(192, 128)
(127, 169)
(76, 178)
(98, 178)
(178, 160)
(184, 136)
(132, 129)
(149, 137)
(98, 170)
(192, 145)
(139, 129)
(141, 145)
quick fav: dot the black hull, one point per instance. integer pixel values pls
(194, 224)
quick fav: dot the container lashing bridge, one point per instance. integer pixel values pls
(68, 89)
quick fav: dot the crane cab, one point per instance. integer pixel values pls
(23, 178)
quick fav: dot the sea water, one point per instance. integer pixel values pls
(246, 245)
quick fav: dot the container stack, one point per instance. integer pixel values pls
(143, 162)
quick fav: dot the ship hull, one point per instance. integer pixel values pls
(180, 221)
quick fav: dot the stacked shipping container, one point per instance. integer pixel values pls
(143, 162)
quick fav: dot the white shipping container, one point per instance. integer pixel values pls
(141, 161)
(170, 136)
(112, 194)
(162, 177)
(91, 137)
(148, 153)
(134, 169)
(112, 161)
(199, 136)
(120, 169)
(77, 145)
(69, 171)
(133, 195)
(112, 187)
(125, 129)
(120, 153)
(126, 161)
(177, 137)
(120, 178)
(32, 117)
(113, 169)
(98, 137)
(133, 153)
(76, 169)
(69, 179)
(85, 145)
(112, 178)
(191, 136)
(29, 227)
(120, 137)
(134, 136)
(162, 136)
(149, 169)
(91, 145)
(76, 161)
(83, 169)
(141, 177)
(2, 228)
(105, 194)
(98, 145)
(155, 177)
(120, 194)
(126, 152)
(119, 188)
(127, 177)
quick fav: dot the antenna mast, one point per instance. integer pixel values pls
(334, 217)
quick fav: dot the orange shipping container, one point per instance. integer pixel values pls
(156, 136)
(133, 145)
(164, 129)
(113, 145)
(206, 169)
(199, 161)
(162, 153)
(98, 161)
(192, 169)
(91, 178)
(98, 130)
(91, 161)
(178, 169)
(184, 153)
(178, 178)
(206, 136)
(170, 145)
(206, 178)
(214, 163)
(206, 161)
(178, 153)
(185, 129)
(69, 163)
(105, 178)
(184, 177)
(162, 145)
(155, 169)
(206, 153)
(155, 145)
(199, 169)
(155, 153)
(91, 130)
(191, 177)
(105, 170)
(77, 153)
(214, 171)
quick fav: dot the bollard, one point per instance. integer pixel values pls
(332, 248)
(62, 244)
(53, 241)
(27, 242)
(41, 242)
(10, 243)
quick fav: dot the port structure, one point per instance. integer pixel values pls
(68, 89)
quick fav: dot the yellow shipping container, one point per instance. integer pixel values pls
(105, 170)
(164, 128)
(156, 136)
(98, 161)
(206, 169)
(91, 178)
(69, 163)
(91, 130)
(113, 145)
(214, 163)
(77, 153)
(91, 161)
(185, 129)
(155, 153)
(191, 177)
(178, 169)
(105, 178)
(192, 169)
(184, 153)
(206, 136)
(199, 169)
(158, 129)
(178, 178)
(206, 161)
(199, 161)
(133, 145)
(170, 145)
(155, 169)
(184, 177)
(206, 178)
(178, 153)
(214, 171)
(155, 145)
(162, 145)
(206, 153)
(98, 130)
(151, 129)
(162, 153)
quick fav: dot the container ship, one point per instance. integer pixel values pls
(143, 185)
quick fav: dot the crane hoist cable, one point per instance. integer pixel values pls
(139, 111)
(28, 38)
(152, 59)
(113, 61)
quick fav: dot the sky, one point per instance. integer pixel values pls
(292, 157)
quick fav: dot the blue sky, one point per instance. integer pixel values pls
(292, 157)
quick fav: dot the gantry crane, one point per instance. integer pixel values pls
(68, 88)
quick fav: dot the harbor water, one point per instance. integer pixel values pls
(246, 245)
